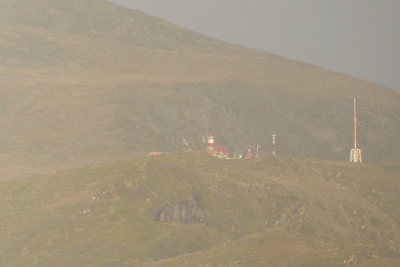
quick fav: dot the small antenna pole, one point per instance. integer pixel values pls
(274, 143)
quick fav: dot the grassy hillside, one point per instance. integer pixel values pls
(106, 21)
(88, 82)
(195, 210)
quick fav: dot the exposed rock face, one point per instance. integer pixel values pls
(181, 212)
(289, 214)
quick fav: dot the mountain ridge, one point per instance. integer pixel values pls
(105, 20)
(77, 96)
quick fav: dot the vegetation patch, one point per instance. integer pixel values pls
(307, 229)
(320, 205)
(339, 218)
(375, 221)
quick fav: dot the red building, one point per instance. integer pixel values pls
(248, 154)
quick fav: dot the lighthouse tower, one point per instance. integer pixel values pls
(210, 141)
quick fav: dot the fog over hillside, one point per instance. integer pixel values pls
(360, 37)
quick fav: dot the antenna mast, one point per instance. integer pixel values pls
(274, 143)
(355, 153)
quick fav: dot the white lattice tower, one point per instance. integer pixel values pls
(274, 143)
(355, 153)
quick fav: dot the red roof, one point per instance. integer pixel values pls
(222, 150)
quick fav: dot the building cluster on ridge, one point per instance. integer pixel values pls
(217, 151)
(221, 151)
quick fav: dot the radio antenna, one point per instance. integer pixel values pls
(355, 153)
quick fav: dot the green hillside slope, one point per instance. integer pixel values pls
(153, 211)
(88, 82)
(106, 21)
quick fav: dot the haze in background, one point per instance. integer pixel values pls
(360, 38)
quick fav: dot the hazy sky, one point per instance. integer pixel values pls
(358, 37)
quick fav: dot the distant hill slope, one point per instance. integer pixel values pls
(90, 81)
(191, 209)
(106, 21)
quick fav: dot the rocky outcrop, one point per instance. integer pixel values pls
(181, 212)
